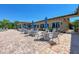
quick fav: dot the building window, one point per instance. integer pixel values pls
(34, 26)
(29, 26)
(24, 26)
(53, 25)
(42, 26)
(37, 26)
(18, 26)
(56, 25)
(48, 25)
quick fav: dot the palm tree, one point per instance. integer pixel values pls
(0, 24)
(5, 23)
(11, 25)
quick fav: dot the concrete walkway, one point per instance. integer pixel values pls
(74, 43)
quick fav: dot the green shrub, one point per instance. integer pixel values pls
(50, 28)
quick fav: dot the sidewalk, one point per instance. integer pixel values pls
(74, 43)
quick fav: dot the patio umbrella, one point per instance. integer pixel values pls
(46, 24)
(33, 24)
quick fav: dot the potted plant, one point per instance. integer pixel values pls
(50, 29)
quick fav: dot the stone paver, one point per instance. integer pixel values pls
(13, 41)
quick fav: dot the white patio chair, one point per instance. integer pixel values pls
(1, 29)
(39, 35)
(42, 36)
(25, 31)
(54, 35)
(46, 36)
(32, 33)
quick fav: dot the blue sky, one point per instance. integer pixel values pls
(36, 12)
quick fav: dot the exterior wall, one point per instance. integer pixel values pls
(64, 25)
(23, 25)
(39, 23)
(64, 21)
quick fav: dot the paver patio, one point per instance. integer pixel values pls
(13, 41)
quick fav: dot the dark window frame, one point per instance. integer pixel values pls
(41, 25)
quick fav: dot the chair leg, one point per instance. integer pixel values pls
(36, 37)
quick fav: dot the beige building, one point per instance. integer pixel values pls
(56, 22)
